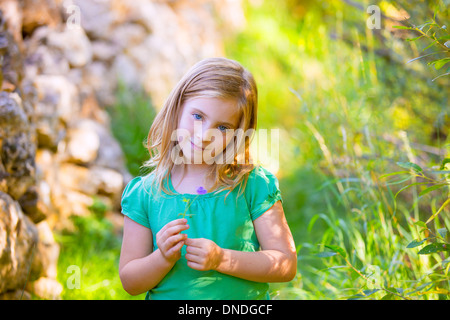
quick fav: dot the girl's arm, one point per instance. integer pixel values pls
(140, 269)
(276, 262)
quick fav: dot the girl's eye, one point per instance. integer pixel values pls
(224, 128)
(199, 117)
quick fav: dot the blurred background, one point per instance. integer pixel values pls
(358, 90)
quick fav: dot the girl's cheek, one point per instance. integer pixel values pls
(182, 136)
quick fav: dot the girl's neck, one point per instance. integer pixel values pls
(191, 175)
(194, 170)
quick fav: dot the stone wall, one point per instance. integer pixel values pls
(59, 66)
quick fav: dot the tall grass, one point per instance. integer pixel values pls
(351, 116)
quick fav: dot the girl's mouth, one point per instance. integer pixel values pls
(196, 147)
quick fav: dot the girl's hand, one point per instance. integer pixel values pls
(203, 254)
(170, 241)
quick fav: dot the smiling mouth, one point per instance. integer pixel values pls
(196, 147)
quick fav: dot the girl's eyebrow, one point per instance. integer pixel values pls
(223, 122)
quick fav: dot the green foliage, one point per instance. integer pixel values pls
(354, 112)
(438, 37)
(131, 118)
(93, 247)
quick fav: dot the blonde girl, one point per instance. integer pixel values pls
(205, 223)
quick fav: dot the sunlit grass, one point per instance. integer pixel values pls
(347, 110)
(93, 249)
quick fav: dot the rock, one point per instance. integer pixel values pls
(11, 63)
(45, 60)
(104, 50)
(108, 147)
(29, 202)
(13, 119)
(38, 13)
(17, 149)
(46, 288)
(106, 181)
(126, 71)
(58, 102)
(91, 181)
(15, 295)
(97, 18)
(58, 97)
(12, 15)
(128, 35)
(74, 44)
(69, 203)
(82, 145)
(47, 253)
(18, 238)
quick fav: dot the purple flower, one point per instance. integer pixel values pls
(201, 190)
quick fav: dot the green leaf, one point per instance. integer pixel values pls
(403, 27)
(337, 249)
(414, 39)
(422, 287)
(415, 243)
(429, 189)
(325, 254)
(428, 23)
(439, 210)
(409, 186)
(410, 165)
(444, 162)
(421, 224)
(433, 248)
(425, 55)
(392, 174)
(369, 292)
(438, 64)
(442, 232)
(442, 75)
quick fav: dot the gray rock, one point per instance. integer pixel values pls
(18, 239)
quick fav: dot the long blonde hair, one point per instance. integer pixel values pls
(214, 78)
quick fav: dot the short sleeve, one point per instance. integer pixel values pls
(135, 201)
(262, 191)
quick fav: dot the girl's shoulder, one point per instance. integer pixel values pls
(261, 179)
(261, 174)
(262, 191)
(140, 186)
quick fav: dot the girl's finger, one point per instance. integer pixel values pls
(194, 242)
(193, 258)
(173, 223)
(176, 229)
(173, 240)
(175, 248)
(194, 265)
(193, 250)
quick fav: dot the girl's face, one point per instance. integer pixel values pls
(205, 127)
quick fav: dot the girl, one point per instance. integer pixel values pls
(184, 238)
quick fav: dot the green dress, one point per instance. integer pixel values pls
(228, 223)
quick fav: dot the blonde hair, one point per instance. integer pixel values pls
(214, 78)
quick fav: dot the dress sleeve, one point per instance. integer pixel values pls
(135, 202)
(262, 191)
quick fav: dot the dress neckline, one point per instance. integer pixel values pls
(191, 195)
